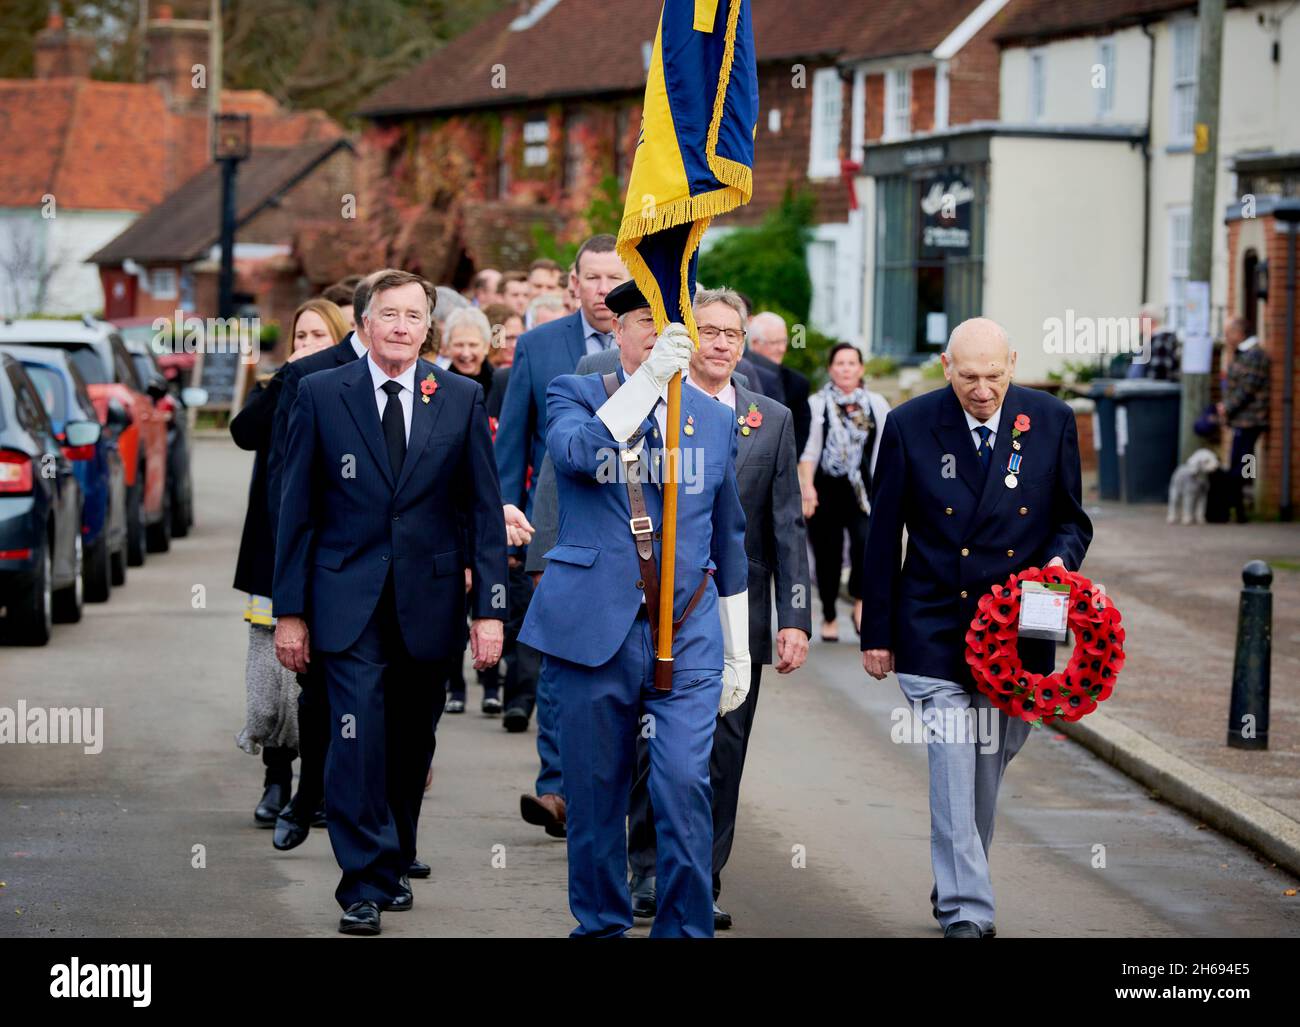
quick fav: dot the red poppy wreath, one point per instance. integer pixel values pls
(1089, 677)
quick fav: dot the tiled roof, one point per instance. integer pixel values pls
(187, 223)
(116, 145)
(1031, 20)
(593, 47)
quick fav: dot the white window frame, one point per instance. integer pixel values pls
(1179, 221)
(1106, 97)
(898, 103)
(537, 142)
(164, 284)
(824, 138)
(1184, 59)
(1037, 92)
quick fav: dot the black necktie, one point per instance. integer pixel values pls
(394, 428)
(985, 450)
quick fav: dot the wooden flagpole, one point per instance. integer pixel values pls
(668, 553)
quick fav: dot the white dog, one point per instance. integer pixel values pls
(1190, 487)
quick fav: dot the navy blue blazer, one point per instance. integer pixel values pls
(345, 524)
(964, 532)
(288, 377)
(588, 598)
(542, 355)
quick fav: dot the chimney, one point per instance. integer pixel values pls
(174, 47)
(59, 53)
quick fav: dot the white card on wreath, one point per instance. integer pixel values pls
(1044, 608)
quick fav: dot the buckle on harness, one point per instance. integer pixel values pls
(634, 522)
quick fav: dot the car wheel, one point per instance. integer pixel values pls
(117, 564)
(158, 536)
(135, 540)
(70, 600)
(31, 616)
(99, 570)
(182, 514)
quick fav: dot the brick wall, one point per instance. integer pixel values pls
(1272, 334)
(923, 89)
(974, 76)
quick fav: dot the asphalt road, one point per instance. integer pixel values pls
(105, 845)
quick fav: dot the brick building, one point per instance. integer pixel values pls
(530, 109)
(84, 158)
(281, 194)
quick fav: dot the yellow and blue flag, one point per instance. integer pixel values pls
(695, 155)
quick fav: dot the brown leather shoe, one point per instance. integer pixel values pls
(545, 811)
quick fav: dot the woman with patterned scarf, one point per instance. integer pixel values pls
(835, 477)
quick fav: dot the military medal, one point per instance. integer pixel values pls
(1013, 469)
(689, 429)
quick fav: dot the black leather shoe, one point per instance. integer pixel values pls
(722, 919)
(992, 932)
(404, 901)
(643, 898)
(291, 829)
(361, 918)
(419, 869)
(963, 929)
(515, 719)
(273, 800)
(491, 706)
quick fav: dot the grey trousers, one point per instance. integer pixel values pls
(966, 768)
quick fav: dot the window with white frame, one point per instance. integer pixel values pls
(941, 96)
(163, 283)
(898, 103)
(1104, 78)
(827, 102)
(1037, 85)
(1182, 112)
(1180, 244)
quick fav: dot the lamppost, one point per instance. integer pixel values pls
(231, 143)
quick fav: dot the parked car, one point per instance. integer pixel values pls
(111, 379)
(41, 572)
(98, 468)
(176, 360)
(175, 404)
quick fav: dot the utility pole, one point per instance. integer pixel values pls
(1198, 347)
(215, 43)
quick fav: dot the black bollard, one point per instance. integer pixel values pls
(1251, 670)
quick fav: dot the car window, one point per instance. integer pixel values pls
(125, 371)
(89, 363)
(84, 402)
(27, 407)
(51, 389)
(143, 369)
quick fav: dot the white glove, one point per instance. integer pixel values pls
(733, 611)
(624, 411)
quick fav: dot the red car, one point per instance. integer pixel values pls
(122, 399)
(177, 365)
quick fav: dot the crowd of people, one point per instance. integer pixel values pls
(432, 474)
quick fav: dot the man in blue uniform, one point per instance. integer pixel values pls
(594, 617)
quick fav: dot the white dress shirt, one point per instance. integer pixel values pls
(406, 397)
(991, 424)
(357, 348)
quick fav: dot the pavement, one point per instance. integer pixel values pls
(154, 835)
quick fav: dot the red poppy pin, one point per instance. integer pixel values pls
(753, 419)
(1021, 426)
(428, 387)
